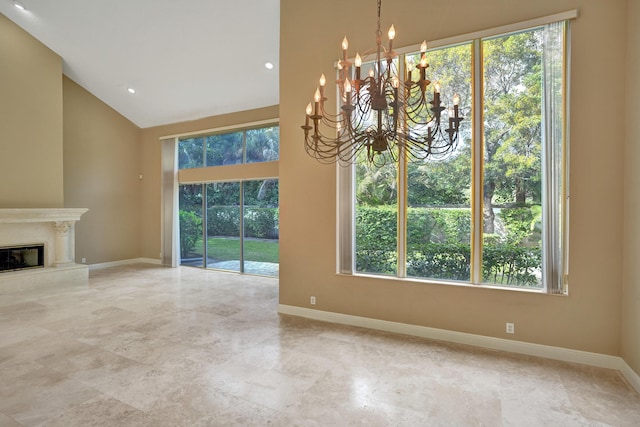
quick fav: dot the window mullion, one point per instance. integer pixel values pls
(205, 206)
(244, 146)
(402, 188)
(477, 150)
(241, 226)
(346, 217)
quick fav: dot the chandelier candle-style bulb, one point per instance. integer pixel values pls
(383, 116)
(347, 91)
(316, 99)
(308, 111)
(456, 110)
(395, 83)
(436, 95)
(323, 82)
(345, 46)
(410, 68)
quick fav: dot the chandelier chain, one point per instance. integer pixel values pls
(379, 32)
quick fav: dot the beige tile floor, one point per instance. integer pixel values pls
(149, 346)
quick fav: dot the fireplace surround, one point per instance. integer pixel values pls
(52, 228)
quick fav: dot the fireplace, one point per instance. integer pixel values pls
(15, 258)
(37, 248)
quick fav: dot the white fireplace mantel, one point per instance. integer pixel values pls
(53, 227)
(14, 216)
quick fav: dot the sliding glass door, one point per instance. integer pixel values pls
(230, 226)
(261, 227)
(191, 221)
(224, 246)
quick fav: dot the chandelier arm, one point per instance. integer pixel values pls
(381, 115)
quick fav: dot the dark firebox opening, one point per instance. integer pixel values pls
(21, 257)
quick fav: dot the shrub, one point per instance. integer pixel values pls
(522, 224)
(509, 264)
(376, 227)
(438, 225)
(223, 221)
(438, 245)
(261, 223)
(442, 261)
(258, 222)
(190, 231)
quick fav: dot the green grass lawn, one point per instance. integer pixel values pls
(225, 249)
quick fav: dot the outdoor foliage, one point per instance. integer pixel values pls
(259, 223)
(190, 232)
(257, 145)
(438, 223)
(439, 245)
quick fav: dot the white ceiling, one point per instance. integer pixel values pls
(186, 59)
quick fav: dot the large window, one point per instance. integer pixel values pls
(229, 148)
(493, 212)
(229, 223)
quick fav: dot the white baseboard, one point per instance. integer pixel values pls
(124, 262)
(630, 375)
(549, 352)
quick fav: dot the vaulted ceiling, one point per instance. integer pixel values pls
(185, 59)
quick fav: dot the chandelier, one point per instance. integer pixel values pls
(381, 114)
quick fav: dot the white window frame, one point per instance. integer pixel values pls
(555, 236)
(171, 179)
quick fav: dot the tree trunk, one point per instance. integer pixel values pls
(521, 192)
(487, 208)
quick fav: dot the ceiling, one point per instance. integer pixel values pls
(186, 59)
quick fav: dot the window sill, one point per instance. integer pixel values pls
(445, 282)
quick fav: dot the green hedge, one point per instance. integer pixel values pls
(190, 231)
(259, 222)
(438, 245)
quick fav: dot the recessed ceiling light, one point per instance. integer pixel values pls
(131, 90)
(19, 5)
(268, 65)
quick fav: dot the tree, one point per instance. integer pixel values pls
(512, 121)
(376, 185)
(224, 149)
(512, 99)
(263, 144)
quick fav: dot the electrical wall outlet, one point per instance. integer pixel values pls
(511, 328)
(84, 260)
(312, 300)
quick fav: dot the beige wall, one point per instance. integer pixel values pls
(151, 166)
(104, 153)
(631, 283)
(30, 121)
(101, 169)
(589, 318)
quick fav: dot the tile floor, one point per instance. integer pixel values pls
(149, 346)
